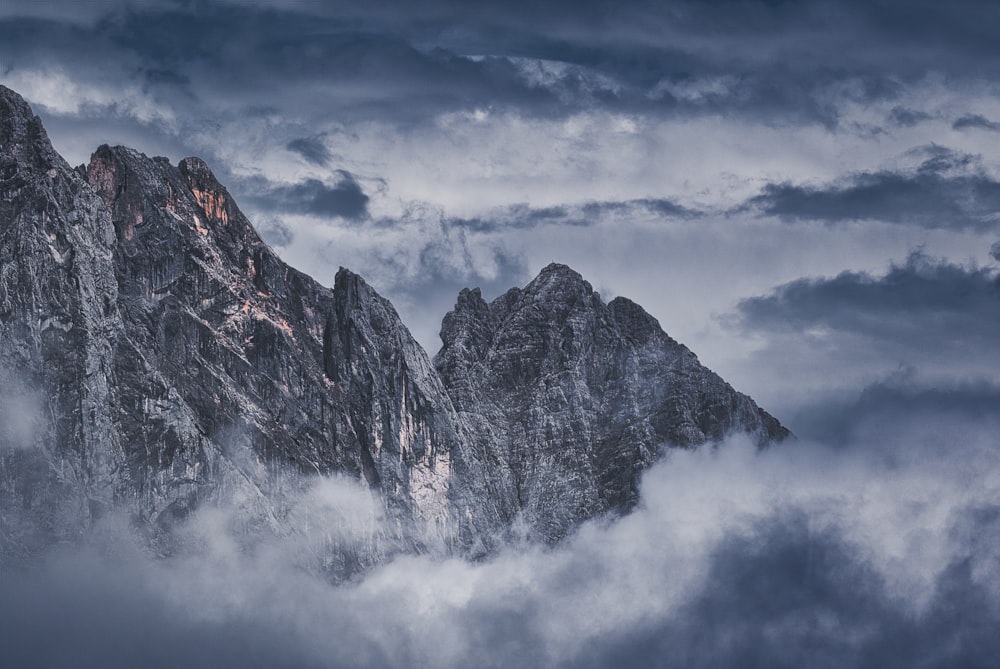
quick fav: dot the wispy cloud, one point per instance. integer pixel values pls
(975, 121)
(945, 190)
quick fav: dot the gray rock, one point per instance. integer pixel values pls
(568, 399)
(181, 363)
(157, 357)
(59, 319)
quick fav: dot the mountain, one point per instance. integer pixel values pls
(172, 360)
(158, 357)
(570, 399)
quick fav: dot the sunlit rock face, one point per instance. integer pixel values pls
(158, 358)
(569, 399)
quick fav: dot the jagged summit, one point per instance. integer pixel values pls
(559, 272)
(181, 363)
(573, 398)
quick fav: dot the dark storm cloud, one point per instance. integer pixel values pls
(659, 206)
(359, 71)
(654, 58)
(887, 403)
(907, 118)
(517, 217)
(522, 216)
(344, 199)
(945, 191)
(312, 149)
(975, 121)
(921, 305)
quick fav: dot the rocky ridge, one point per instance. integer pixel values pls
(159, 357)
(570, 399)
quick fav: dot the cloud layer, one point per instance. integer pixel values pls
(880, 549)
(941, 192)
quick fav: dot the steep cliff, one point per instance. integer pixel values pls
(177, 361)
(569, 399)
(59, 320)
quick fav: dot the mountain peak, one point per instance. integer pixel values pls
(22, 135)
(14, 108)
(559, 269)
(561, 274)
(183, 363)
(570, 399)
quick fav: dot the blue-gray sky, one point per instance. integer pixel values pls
(805, 192)
(686, 154)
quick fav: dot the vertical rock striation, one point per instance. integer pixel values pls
(59, 322)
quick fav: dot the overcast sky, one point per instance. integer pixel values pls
(805, 192)
(723, 163)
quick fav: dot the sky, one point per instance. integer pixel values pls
(804, 192)
(740, 168)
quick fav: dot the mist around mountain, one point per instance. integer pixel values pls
(872, 541)
(863, 552)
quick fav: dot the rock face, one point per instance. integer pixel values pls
(59, 320)
(569, 399)
(174, 360)
(157, 357)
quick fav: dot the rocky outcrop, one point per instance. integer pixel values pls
(177, 361)
(568, 399)
(157, 357)
(262, 355)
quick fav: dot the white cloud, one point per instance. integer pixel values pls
(887, 518)
(61, 94)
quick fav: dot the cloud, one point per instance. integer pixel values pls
(975, 121)
(344, 199)
(860, 553)
(819, 340)
(944, 191)
(418, 61)
(21, 413)
(517, 217)
(523, 216)
(660, 206)
(922, 305)
(907, 118)
(57, 91)
(887, 402)
(312, 149)
(276, 233)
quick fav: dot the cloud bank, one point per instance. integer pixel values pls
(882, 549)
